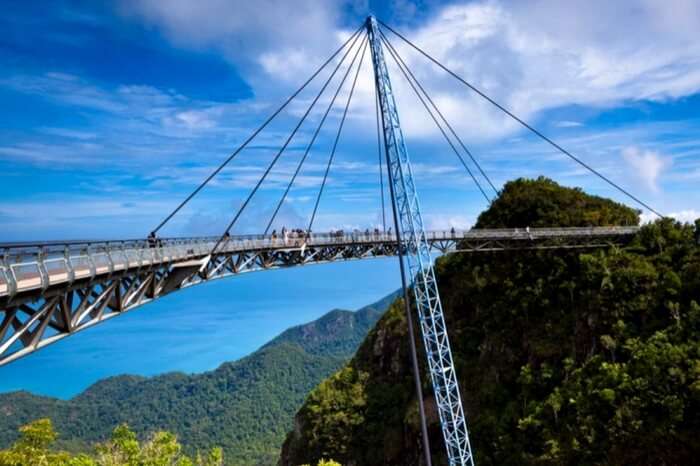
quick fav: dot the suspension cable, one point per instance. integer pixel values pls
(255, 133)
(444, 134)
(523, 123)
(277, 157)
(313, 139)
(379, 152)
(337, 138)
(437, 110)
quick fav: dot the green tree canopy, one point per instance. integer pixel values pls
(33, 448)
(544, 203)
(564, 358)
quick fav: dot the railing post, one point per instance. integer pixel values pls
(160, 251)
(9, 274)
(91, 262)
(43, 273)
(140, 255)
(108, 251)
(124, 250)
(69, 264)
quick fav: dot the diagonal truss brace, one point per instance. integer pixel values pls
(432, 322)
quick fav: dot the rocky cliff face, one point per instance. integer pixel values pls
(376, 391)
(564, 357)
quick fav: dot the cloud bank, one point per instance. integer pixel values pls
(531, 56)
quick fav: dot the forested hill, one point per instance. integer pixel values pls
(245, 407)
(563, 358)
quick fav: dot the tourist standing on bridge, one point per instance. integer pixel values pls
(152, 240)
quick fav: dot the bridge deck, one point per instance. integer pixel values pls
(51, 290)
(31, 266)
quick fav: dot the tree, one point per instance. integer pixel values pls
(332, 410)
(32, 448)
(544, 203)
(324, 462)
(123, 449)
(161, 449)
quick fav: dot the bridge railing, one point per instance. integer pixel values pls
(29, 266)
(531, 233)
(25, 267)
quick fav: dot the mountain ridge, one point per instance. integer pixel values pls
(244, 406)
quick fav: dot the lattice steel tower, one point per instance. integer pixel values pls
(412, 233)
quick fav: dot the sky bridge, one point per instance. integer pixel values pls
(51, 290)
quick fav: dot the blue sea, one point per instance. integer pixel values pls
(197, 329)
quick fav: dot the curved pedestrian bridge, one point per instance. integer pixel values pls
(49, 290)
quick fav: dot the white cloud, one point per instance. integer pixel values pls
(536, 56)
(135, 100)
(81, 216)
(194, 119)
(685, 216)
(298, 199)
(442, 222)
(280, 36)
(530, 56)
(568, 124)
(128, 124)
(647, 165)
(69, 133)
(284, 64)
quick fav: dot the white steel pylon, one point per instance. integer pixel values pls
(417, 251)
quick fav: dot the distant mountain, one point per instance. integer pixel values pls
(337, 333)
(246, 406)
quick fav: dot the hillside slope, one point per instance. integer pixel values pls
(563, 358)
(245, 406)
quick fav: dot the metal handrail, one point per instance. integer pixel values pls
(56, 246)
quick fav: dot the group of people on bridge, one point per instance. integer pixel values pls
(357, 232)
(295, 233)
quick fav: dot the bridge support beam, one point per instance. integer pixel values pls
(408, 217)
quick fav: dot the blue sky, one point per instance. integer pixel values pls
(113, 111)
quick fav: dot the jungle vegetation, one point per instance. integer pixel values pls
(563, 357)
(245, 407)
